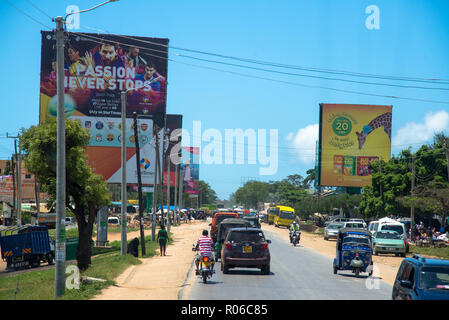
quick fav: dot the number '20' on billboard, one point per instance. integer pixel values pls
(350, 138)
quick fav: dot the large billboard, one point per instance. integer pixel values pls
(190, 169)
(352, 136)
(97, 69)
(173, 122)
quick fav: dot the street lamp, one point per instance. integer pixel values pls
(60, 156)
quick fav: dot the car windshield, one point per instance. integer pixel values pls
(334, 226)
(387, 235)
(246, 236)
(393, 227)
(286, 215)
(356, 240)
(434, 278)
(354, 225)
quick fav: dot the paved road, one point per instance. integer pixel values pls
(297, 273)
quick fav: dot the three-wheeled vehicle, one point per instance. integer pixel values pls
(354, 251)
(223, 229)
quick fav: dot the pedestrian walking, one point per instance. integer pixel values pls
(162, 238)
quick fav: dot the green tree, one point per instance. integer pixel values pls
(205, 193)
(251, 194)
(86, 192)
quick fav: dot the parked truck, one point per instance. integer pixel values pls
(26, 247)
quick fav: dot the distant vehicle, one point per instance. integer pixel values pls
(331, 231)
(116, 207)
(219, 217)
(245, 248)
(272, 212)
(389, 224)
(26, 246)
(354, 225)
(113, 220)
(69, 221)
(420, 278)
(47, 217)
(388, 241)
(337, 220)
(253, 219)
(223, 229)
(285, 217)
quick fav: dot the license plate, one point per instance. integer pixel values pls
(247, 249)
(391, 249)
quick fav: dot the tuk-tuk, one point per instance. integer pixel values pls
(224, 227)
(354, 251)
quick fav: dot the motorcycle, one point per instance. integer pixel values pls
(204, 270)
(294, 237)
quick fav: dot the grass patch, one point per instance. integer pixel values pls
(119, 229)
(106, 264)
(426, 251)
(69, 233)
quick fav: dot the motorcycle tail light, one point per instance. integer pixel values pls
(265, 246)
(205, 259)
(228, 246)
(357, 255)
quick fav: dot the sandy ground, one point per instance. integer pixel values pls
(159, 278)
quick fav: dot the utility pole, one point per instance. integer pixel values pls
(160, 175)
(38, 200)
(175, 215)
(155, 191)
(168, 192)
(124, 188)
(60, 164)
(180, 191)
(18, 159)
(139, 185)
(13, 165)
(412, 209)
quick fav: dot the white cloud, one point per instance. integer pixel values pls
(304, 143)
(416, 133)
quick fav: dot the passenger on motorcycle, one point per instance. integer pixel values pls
(205, 245)
(293, 228)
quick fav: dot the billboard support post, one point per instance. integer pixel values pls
(124, 191)
(168, 192)
(60, 163)
(155, 187)
(139, 186)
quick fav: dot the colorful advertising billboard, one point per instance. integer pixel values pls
(97, 69)
(173, 122)
(352, 136)
(190, 169)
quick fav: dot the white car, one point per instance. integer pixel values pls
(113, 220)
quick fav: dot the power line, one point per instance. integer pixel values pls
(100, 41)
(280, 65)
(41, 11)
(26, 14)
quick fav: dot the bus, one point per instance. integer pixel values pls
(285, 216)
(272, 212)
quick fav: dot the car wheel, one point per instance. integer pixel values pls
(266, 269)
(335, 270)
(225, 269)
(376, 253)
(326, 238)
(403, 254)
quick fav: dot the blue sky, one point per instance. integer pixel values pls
(413, 41)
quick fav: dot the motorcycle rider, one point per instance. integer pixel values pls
(293, 228)
(205, 244)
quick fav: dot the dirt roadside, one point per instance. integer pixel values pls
(385, 266)
(159, 278)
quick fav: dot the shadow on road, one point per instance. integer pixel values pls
(252, 272)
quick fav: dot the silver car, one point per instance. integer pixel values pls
(331, 230)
